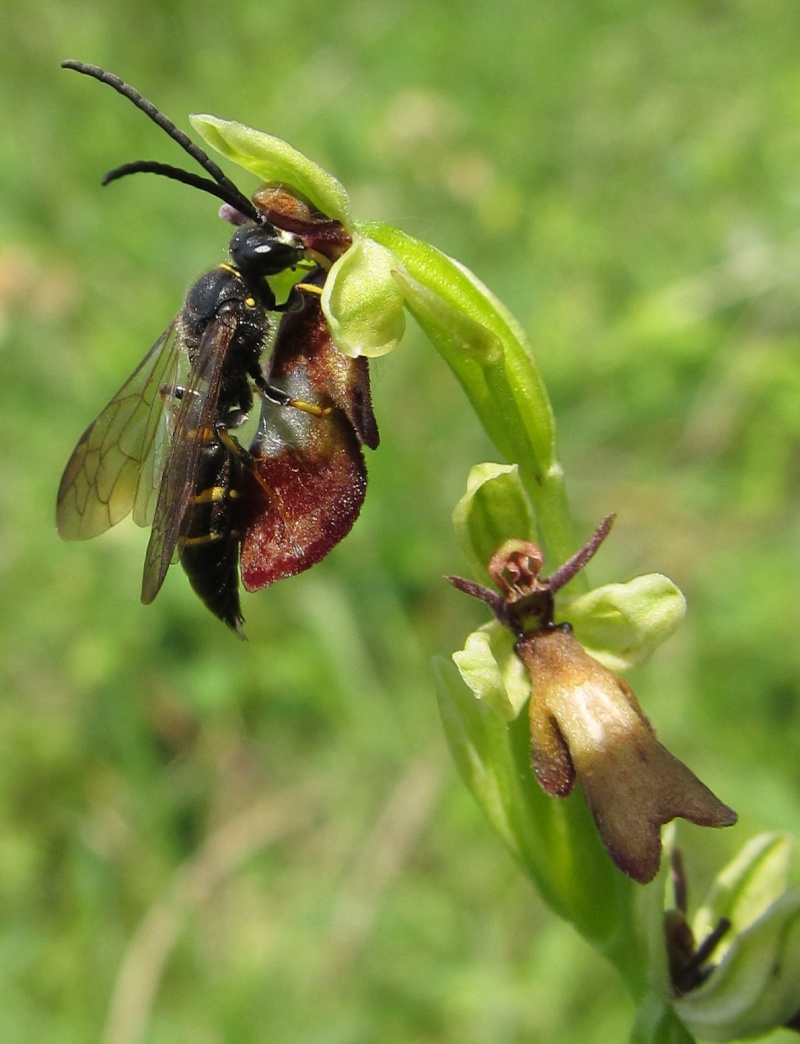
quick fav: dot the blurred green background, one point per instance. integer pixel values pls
(211, 841)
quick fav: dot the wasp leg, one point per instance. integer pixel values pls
(294, 302)
(232, 444)
(168, 392)
(282, 398)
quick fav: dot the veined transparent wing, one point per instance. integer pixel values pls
(196, 416)
(116, 466)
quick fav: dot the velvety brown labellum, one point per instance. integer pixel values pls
(587, 723)
(311, 477)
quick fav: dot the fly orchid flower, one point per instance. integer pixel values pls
(585, 720)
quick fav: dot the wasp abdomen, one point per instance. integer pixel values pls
(210, 534)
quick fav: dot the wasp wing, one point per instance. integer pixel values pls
(115, 468)
(195, 418)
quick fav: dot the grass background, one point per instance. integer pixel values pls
(214, 842)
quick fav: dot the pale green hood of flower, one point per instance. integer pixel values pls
(275, 161)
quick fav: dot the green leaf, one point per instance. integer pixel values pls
(273, 160)
(494, 508)
(621, 624)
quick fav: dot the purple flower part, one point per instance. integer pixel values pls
(233, 216)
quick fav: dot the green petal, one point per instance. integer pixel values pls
(621, 624)
(494, 508)
(273, 160)
(362, 301)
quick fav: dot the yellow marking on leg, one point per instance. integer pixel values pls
(206, 538)
(310, 407)
(213, 495)
(309, 288)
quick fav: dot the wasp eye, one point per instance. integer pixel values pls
(263, 250)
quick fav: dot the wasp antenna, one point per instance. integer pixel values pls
(234, 196)
(186, 177)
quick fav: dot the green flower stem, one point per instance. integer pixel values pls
(565, 848)
(488, 352)
(657, 1023)
(556, 842)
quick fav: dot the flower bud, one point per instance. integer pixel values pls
(752, 987)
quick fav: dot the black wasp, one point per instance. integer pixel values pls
(162, 448)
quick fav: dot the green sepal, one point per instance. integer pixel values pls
(454, 328)
(492, 672)
(483, 343)
(362, 300)
(757, 877)
(488, 352)
(494, 508)
(622, 624)
(275, 161)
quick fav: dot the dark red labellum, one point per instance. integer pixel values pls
(309, 477)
